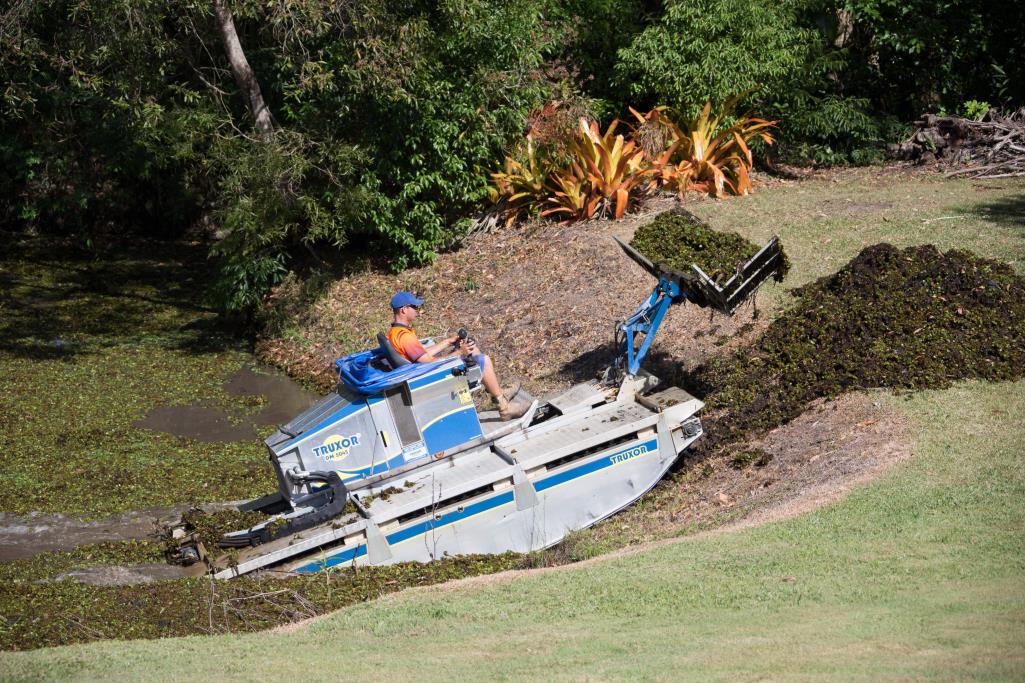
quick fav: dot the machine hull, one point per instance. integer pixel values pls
(522, 489)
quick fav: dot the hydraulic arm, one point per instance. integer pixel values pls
(674, 287)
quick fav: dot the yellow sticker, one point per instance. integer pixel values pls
(464, 396)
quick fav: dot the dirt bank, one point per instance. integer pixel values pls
(542, 302)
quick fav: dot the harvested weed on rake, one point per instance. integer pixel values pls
(679, 239)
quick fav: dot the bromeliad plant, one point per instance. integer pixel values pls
(712, 158)
(572, 198)
(606, 167)
(522, 184)
(607, 170)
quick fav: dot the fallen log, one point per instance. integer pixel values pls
(993, 147)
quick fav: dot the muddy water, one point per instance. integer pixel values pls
(127, 576)
(199, 423)
(284, 399)
(23, 536)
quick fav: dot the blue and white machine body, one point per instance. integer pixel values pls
(398, 464)
(417, 415)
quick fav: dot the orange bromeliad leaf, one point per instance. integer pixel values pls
(713, 159)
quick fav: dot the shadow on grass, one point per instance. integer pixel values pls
(1008, 212)
(60, 300)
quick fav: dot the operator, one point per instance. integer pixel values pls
(406, 309)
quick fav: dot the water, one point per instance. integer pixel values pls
(284, 400)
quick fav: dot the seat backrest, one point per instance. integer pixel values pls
(396, 358)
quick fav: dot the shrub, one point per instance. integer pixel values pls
(975, 110)
(714, 158)
(711, 49)
(784, 54)
(274, 197)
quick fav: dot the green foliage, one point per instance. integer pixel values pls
(390, 119)
(832, 130)
(434, 93)
(713, 49)
(273, 197)
(975, 110)
(917, 56)
(79, 93)
(841, 75)
(122, 115)
(595, 31)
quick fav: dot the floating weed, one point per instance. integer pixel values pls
(211, 526)
(90, 342)
(63, 612)
(47, 565)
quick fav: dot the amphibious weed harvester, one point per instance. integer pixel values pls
(397, 464)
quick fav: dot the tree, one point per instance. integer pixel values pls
(245, 79)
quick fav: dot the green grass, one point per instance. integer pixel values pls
(89, 343)
(920, 575)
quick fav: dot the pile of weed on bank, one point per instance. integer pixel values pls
(902, 319)
(678, 240)
(38, 613)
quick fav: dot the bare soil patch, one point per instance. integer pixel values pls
(541, 301)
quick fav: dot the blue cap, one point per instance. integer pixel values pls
(405, 299)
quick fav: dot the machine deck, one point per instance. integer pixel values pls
(462, 494)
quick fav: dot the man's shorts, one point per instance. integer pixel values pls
(477, 359)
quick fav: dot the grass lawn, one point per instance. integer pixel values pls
(920, 575)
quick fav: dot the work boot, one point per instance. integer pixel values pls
(510, 392)
(508, 410)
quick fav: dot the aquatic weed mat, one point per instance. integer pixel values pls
(90, 342)
(210, 526)
(38, 612)
(904, 319)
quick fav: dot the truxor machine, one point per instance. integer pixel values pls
(397, 464)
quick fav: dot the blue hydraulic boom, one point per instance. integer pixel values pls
(676, 287)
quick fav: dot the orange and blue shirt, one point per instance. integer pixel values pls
(406, 341)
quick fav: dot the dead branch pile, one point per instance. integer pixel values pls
(993, 147)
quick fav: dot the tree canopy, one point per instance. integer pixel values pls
(379, 122)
